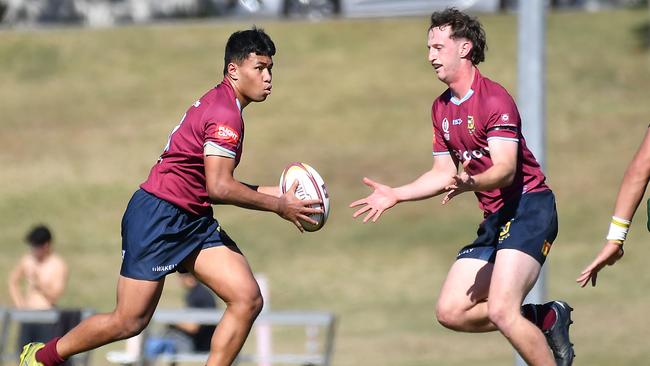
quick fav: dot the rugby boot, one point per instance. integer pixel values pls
(28, 355)
(557, 335)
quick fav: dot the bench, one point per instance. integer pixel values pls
(312, 321)
(8, 317)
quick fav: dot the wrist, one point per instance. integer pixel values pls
(618, 229)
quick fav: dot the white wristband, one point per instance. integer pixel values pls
(618, 229)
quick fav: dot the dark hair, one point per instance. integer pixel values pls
(463, 26)
(39, 236)
(242, 43)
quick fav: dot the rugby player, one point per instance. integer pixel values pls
(476, 125)
(169, 224)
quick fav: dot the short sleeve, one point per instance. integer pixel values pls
(439, 143)
(503, 122)
(222, 138)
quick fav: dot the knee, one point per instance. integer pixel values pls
(249, 305)
(502, 316)
(127, 327)
(449, 316)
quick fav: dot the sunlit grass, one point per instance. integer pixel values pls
(84, 115)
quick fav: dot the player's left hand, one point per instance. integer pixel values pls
(463, 182)
(610, 253)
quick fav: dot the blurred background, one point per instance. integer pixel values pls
(91, 90)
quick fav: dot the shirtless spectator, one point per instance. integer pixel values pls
(37, 282)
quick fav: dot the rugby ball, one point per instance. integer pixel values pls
(310, 186)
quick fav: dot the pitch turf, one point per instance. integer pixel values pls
(85, 114)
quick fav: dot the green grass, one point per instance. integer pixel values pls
(85, 113)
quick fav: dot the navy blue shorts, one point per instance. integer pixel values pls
(157, 236)
(527, 224)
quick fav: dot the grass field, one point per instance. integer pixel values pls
(85, 113)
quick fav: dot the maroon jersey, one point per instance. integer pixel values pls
(463, 127)
(213, 123)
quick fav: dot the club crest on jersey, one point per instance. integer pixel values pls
(227, 134)
(470, 124)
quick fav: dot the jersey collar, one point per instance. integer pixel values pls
(470, 92)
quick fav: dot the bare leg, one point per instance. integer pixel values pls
(513, 276)
(136, 302)
(462, 304)
(226, 271)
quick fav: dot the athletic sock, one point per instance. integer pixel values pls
(542, 315)
(549, 317)
(48, 355)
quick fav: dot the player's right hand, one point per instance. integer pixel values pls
(610, 253)
(293, 209)
(381, 199)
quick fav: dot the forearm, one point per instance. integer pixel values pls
(631, 192)
(497, 176)
(270, 190)
(16, 297)
(428, 185)
(238, 194)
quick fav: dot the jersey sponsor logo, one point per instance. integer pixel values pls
(464, 155)
(227, 134)
(470, 124)
(457, 122)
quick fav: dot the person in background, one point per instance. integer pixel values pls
(187, 336)
(37, 282)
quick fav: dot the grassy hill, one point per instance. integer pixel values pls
(85, 113)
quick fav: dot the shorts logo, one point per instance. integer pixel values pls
(505, 231)
(164, 268)
(227, 134)
(465, 252)
(546, 248)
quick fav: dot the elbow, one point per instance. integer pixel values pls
(218, 193)
(507, 177)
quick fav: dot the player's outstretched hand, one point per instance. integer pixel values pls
(463, 182)
(293, 209)
(381, 199)
(610, 253)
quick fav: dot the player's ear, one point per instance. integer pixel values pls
(465, 49)
(233, 71)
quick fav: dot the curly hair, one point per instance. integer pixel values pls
(463, 26)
